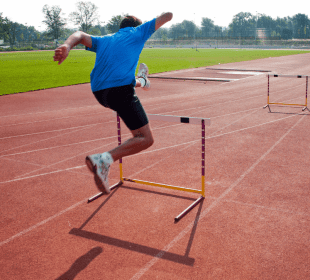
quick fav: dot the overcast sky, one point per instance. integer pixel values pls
(29, 12)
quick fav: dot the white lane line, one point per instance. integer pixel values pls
(177, 238)
(22, 161)
(215, 105)
(68, 169)
(190, 143)
(164, 148)
(100, 139)
(209, 93)
(159, 149)
(46, 139)
(72, 144)
(56, 147)
(40, 223)
(50, 131)
(47, 166)
(47, 112)
(292, 212)
(51, 119)
(214, 136)
(86, 152)
(167, 247)
(245, 96)
(42, 174)
(144, 269)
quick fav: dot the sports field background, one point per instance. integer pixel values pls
(28, 71)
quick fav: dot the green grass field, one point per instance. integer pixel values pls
(27, 71)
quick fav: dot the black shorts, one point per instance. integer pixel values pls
(124, 101)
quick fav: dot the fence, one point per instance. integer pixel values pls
(34, 45)
(215, 42)
(226, 42)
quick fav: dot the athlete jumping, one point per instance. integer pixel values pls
(113, 84)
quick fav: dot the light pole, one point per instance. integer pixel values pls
(195, 31)
(26, 34)
(257, 14)
(256, 27)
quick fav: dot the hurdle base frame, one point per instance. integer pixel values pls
(103, 193)
(186, 120)
(178, 217)
(268, 105)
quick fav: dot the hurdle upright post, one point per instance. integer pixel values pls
(268, 95)
(120, 143)
(197, 201)
(203, 149)
(306, 107)
(119, 137)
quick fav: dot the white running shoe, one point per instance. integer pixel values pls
(143, 73)
(101, 168)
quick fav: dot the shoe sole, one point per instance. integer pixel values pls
(92, 168)
(147, 88)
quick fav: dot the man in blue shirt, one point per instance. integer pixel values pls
(113, 83)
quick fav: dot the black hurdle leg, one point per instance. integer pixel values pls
(188, 209)
(102, 193)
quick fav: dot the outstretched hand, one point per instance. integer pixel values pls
(61, 53)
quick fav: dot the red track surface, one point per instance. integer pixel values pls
(253, 224)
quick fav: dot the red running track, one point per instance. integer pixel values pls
(253, 224)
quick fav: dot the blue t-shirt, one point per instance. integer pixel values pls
(117, 56)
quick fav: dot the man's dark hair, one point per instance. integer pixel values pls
(130, 21)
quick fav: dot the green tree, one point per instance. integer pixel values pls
(86, 16)
(95, 31)
(243, 25)
(177, 31)
(55, 24)
(267, 23)
(207, 27)
(186, 29)
(284, 26)
(161, 34)
(9, 31)
(301, 21)
(217, 31)
(190, 28)
(114, 23)
(4, 28)
(103, 30)
(2, 35)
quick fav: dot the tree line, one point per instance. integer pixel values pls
(244, 25)
(86, 18)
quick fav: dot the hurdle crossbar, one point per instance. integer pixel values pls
(286, 104)
(167, 118)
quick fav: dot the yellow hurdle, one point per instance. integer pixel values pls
(162, 185)
(287, 104)
(203, 123)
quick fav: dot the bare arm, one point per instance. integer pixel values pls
(62, 52)
(162, 19)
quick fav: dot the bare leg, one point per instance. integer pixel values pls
(142, 139)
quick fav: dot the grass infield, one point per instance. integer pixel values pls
(28, 71)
